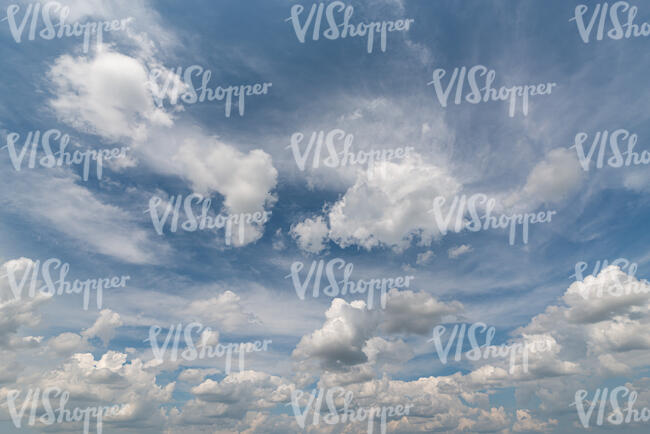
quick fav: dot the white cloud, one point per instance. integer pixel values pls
(225, 310)
(552, 180)
(245, 180)
(104, 327)
(311, 235)
(526, 423)
(78, 213)
(457, 251)
(389, 205)
(67, 343)
(111, 379)
(104, 95)
(109, 94)
(193, 375)
(227, 402)
(415, 312)
(339, 342)
(19, 312)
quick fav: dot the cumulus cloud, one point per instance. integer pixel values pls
(19, 309)
(246, 180)
(571, 339)
(311, 235)
(415, 312)
(231, 399)
(67, 343)
(350, 351)
(389, 204)
(339, 342)
(104, 95)
(193, 375)
(104, 327)
(111, 379)
(348, 348)
(225, 310)
(526, 423)
(110, 94)
(598, 335)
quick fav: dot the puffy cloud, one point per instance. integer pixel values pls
(67, 343)
(526, 423)
(348, 348)
(246, 180)
(311, 235)
(257, 385)
(494, 419)
(387, 355)
(339, 343)
(104, 327)
(597, 331)
(435, 404)
(209, 338)
(21, 311)
(612, 292)
(415, 312)
(389, 204)
(193, 375)
(113, 380)
(229, 401)
(18, 311)
(225, 310)
(110, 94)
(352, 354)
(104, 95)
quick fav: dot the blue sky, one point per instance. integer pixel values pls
(380, 224)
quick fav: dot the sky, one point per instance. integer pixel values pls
(287, 215)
